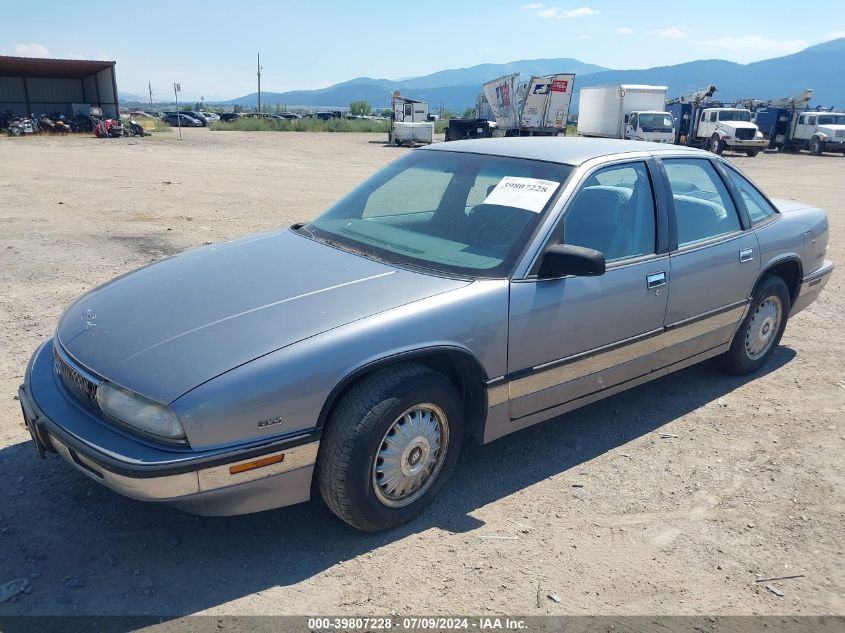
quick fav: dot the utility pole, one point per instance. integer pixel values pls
(259, 83)
(150, 86)
(176, 89)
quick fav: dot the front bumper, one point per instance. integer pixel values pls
(759, 143)
(811, 287)
(198, 482)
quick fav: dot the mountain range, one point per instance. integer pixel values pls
(819, 67)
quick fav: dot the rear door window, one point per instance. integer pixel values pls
(703, 207)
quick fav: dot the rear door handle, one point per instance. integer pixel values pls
(746, 255)
(655, 280)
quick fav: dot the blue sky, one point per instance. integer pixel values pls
(210, 46)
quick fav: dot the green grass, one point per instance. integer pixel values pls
(255, 124)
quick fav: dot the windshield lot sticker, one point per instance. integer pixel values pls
(530, 194)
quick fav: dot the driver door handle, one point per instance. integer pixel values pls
(655, 280)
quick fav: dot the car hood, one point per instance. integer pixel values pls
(164, 329)
(738, 125)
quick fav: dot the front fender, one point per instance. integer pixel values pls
(283, 393)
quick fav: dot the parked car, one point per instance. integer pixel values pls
(173, 120)
(469, 288)
(199, 116)
(210, 117)
(228, 117)
(290, 116)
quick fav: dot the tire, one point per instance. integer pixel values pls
(761, 329)
(14, 131)
(350, 465)
(716, 145)
(816, 147)
(752, 152)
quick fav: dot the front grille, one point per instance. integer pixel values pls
(745, 134)
(75, 381)
(840, 133)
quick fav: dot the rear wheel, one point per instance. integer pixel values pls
(761, 329)
(389, 446)
(717, 145)
(816, 147)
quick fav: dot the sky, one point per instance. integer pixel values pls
(210, 46)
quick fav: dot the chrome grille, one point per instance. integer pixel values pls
(80, 386)
(840, 133)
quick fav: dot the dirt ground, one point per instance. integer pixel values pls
(595, 507)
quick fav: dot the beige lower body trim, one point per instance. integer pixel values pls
(596, 360)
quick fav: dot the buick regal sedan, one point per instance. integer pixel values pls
(468, 289)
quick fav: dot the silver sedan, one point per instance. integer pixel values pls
(468, 289)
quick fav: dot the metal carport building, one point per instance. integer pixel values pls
(44, 86)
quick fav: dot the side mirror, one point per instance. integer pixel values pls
(564, 259)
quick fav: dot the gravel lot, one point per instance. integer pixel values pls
(595, 507)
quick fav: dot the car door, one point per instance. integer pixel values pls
(575, 336)
(714, 261)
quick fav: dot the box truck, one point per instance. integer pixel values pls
(629, 111)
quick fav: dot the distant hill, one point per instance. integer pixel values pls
(779, 77)
(818, 67)
(454, 87)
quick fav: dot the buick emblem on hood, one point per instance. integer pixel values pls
(88, 318)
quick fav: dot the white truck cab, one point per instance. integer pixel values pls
(731, 128)
(650, 125)
(819, 132)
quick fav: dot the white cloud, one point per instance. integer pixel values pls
(834, 35)
(583, 37)
(671, 32)
(543, 11)
(624, 31)
(31, 50)
(757, 43)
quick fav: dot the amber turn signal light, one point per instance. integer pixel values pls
(258, 463)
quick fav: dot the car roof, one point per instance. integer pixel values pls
(556, 149)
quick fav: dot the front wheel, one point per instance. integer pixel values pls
(816, 147)
(761, 329)
(717, 145)
(752, 152)
(389, 446)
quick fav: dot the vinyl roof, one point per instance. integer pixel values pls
(50, 68)
(572, 150)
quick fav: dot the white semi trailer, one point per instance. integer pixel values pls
(631, 111)
(539, 107)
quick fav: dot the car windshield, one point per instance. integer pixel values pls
(459, 213)
(655, 121)
(735, 115)
(832, 119)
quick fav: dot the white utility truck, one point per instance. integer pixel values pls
(701, 122)
(409, 122)
(628, 111)
(818, 132)
(539, 107)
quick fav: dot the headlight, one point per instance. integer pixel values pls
(138, 412)
(758, 134)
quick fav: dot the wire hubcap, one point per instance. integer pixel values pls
(763, 328)
(410, 455)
